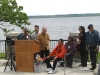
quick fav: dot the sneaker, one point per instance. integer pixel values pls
(49, 69)
(80, 65)
(51, 72)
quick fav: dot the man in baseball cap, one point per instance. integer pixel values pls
(90, 26)
(92, 44)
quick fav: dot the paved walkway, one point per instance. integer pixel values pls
(2, 62)
(76, 70)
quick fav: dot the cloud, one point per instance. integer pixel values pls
(52, 7)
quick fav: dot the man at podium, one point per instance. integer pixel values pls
(25, 35)
(44, 40)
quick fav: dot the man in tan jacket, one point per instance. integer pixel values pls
(44, 40)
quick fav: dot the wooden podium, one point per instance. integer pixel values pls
(24, 53)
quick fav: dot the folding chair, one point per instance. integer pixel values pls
(60, 63)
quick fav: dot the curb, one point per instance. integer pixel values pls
(3, 62)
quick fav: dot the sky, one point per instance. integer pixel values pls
(55, 7)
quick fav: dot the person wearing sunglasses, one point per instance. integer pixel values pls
(25, 35)
(82, 48)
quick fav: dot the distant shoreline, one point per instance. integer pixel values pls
(64, 16)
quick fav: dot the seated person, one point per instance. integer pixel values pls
(70, 46)
(25, 35)
(56, 55)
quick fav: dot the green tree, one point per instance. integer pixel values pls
(12, 13)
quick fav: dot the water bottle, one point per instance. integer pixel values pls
(37, 56)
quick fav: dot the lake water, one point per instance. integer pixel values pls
(60, 27)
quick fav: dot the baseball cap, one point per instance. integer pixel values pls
(90, 26)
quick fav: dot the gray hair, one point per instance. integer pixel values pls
(25, 29)
(44, 28)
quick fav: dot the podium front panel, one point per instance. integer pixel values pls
(24, 53)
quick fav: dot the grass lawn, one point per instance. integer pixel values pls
(2, 55)
(98, 59)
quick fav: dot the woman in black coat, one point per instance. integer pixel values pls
(82, 48)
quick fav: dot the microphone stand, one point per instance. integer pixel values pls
(25, 34)
(64, 64)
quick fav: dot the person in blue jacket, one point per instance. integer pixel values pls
(92, 44)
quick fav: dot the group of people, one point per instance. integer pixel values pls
(87, 41)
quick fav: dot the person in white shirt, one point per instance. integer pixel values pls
(35, 33)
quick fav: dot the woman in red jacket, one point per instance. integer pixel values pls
(56, 55)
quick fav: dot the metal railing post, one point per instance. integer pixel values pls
(5, 49)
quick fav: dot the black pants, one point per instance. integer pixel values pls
(54, 62)
(93, 56)
(44, 53)
(83, 55)
(70, 59)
